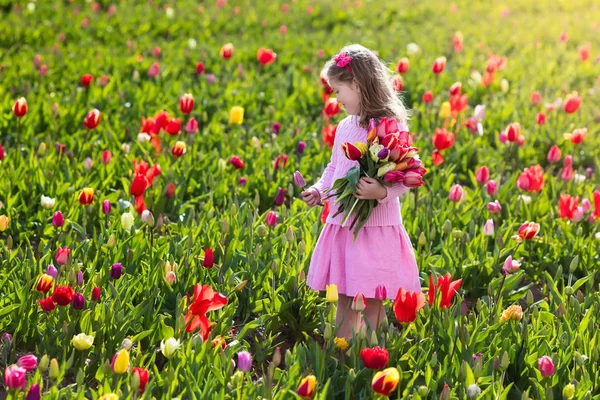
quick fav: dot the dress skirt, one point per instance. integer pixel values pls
(381, 255)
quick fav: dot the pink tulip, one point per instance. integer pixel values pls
(106, 157)
(488, 228)
(586, 205)
(62, 255)
(456, 193)
(380, 293)
(482, 175)
(510, 265)
(15, 377)
(503, 137)
(192, 126)
(271, 218)
(29, 362)
(546, 366)
(153, 71)
(494, 207)
(58, 219)
(554, 154)
(492, 187)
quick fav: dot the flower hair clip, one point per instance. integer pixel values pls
(342, 60)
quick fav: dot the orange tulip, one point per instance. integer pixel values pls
(87, 196)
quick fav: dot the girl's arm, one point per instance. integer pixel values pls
(326, 179)
(396, 190)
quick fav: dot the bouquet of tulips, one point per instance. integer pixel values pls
(386, 156)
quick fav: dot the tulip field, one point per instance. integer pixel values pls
(153, 242)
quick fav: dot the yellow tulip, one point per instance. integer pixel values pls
(120, 362)
(341, 343)
(331, 295)
(3, 222)
(82, 341)
(236, 115)
(109, 396)
(445, 110)
(362, 146)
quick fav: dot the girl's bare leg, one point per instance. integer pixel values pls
(346, 319)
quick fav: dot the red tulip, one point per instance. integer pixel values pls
(584, 51)
(375, 358)
(281, 161)
(482, 175)
(20, 107)
(95, 293)
(596, 214)
(443, 139)
(106, 157)
(427, 97)
(513, 131)
(447, 289)
(536, 98)
(154, 70)
(138, 185)
(407, 304)
(385, 382)
(47, 304)
(328, 134)
(178, 149)
(170, 192)
(209, 258)
(265, 56)
(577, 136)
(397, 83)
(44, 283)
(86, 79)
(554, 154)
(186, 103)
(438, 65)
(200, 68)
(540, 119)
(531, 179)
(92, 119)
(572, 103)
(351, 151)
(227, 51)
(567, 206)
(332, 107)
(403, 65)
(205, 300)
(528, 230)
(437, 158)
(63, 295)
(455, 89)
(1, 153)
(327, 209)
(173, 126)
(143, 377)
(306, 389)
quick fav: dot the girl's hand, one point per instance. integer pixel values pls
(369, 189)
(312, 197)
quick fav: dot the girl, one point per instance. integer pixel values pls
(382, 253)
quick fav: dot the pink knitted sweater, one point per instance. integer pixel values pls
(387, 212)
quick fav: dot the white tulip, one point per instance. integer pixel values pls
(412, 49)
(143, 137)
(127, 221)
(169, 347)
(48, 202)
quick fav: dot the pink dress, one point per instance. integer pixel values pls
(382, 253)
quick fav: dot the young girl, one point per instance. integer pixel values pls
(382, 253)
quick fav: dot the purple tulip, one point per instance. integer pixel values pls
(78, 302)
(210, 78)
(299, 179)
(106, 207)
(300, 147)
(244, 361)
(116, 271)
(383, 153)
(80, 278)
(58, 220)
(280, 198)
(29, 362)
(590, 172)
(34, 392)
(52, 271)
(276, 127)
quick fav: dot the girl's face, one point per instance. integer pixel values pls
(348, 95)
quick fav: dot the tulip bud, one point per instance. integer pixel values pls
(54, 369)
(595, 354)
(289, 358)
(473, 391)
(148, 218)
(569, 391)
(197, 340)
(574, 263)
(290, 235)
(277, 357)
(505, 361)
(374, 338)
(261, 230)
(274, 267)
(225, 226)
(301, 247)
(549, 395)
(326, 335)
(434, 360)
(284, 239)
(135, 382)
(560, 311)
(423, 391)
(529, 298)
(43, 365)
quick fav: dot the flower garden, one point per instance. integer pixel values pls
(152, 239)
